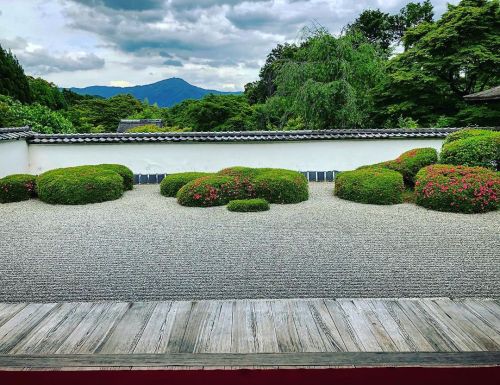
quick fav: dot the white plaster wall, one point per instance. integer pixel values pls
(13, 157)
(152, 158)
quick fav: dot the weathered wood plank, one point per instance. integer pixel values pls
(21, 324)
(48, 335)
(286, 332)
(220, 335)
(128, 330)
(243, 331)
(326, 326)
(481, 333)
(201, 319)
(309, 334)
(349, 337)
(181, 312)
(437, 339)
(484, 313)
(94, 328)
(8, 310)
(458, 336)
(360, 326)
(211, 360)
(157, 330)
(265, 331)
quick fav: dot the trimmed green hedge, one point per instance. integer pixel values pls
(482, 151)
(17, 187)
(214, 190)
(172, 183)
(409, 163)
(377, 185)
(125, 173)
(79, 185)
(281, 186)
(274, 185)
(458, 188)
(248, 205)
(466, 133)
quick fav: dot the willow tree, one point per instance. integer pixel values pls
(329, 82)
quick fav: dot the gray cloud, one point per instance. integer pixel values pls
(39, 61)
(173, 63)
(133, 5)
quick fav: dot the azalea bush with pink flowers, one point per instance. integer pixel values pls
(17, 187)
(274, 185)
(458, 188)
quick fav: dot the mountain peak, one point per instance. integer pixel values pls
(165, 93)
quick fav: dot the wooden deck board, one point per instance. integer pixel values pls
(251, 333)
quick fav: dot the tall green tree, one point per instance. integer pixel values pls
(329, 82)
(13, 81)
(46, 93)
(455, 56)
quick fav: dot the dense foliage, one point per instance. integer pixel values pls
(17, 187)
(13, 82)
(475, 150)
(445, 60)
(458, 188)
(386, 70)
(274, 185)
(375, 185)
(79, 185)
(172, 183)
(123, 171)
(248, 205)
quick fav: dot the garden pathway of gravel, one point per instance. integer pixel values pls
(147, 247)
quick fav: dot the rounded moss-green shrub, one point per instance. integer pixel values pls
(466, 133)
(145, 128)
(458, 188)
(125, 173)
(214, 190)
(410, 162)
(172, 183)
(378, 186)
(248, 205)
(482, 151)
(17, 187)
(79, 185)
(242, 172)
(281, 186)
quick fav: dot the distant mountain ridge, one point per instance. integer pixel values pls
(165, 93)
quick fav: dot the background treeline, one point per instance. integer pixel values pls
(383, 70)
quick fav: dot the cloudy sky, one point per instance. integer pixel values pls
(218, 44)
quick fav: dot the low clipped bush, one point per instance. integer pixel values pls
(125, 173)
(172, 183)
(214, 190)
(466, 133)
(145, 128)
(79, 185)
(281, 186)
(17, 187)
(409, 163)
(482, 151)
(376, 185)
(274, 185)
(458, 188)
(248, 205)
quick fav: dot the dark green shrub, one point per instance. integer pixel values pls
(458, 188)
(464, 134)
(482, 151)
(281, 186)
(370, 185)
(242, 172)
(410, 162)
(125, 173)
(214, 190)
(248, 205)
(172, 183)
(79, 185)
(17, 187)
